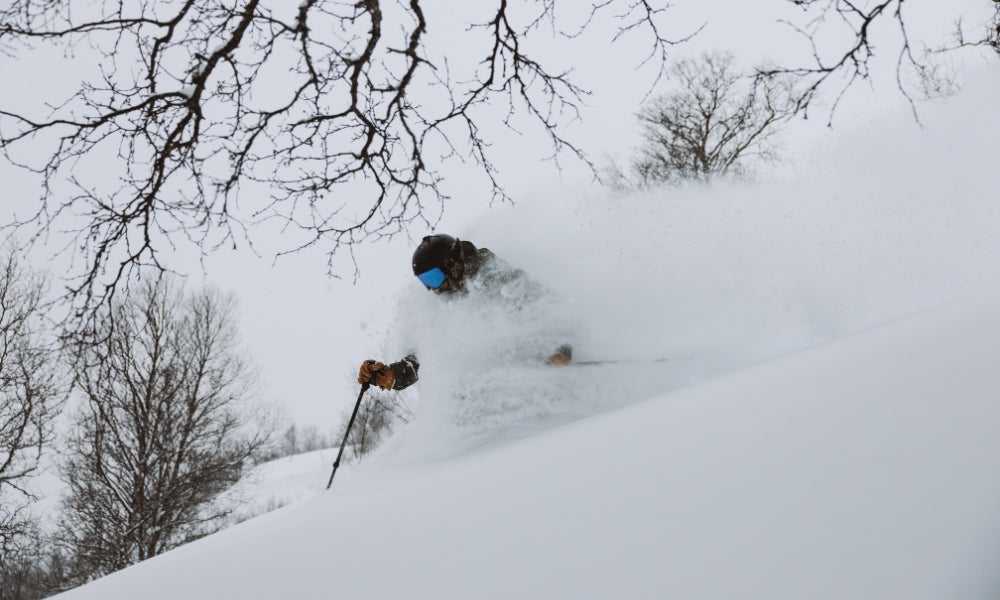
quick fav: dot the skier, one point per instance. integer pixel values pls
(451, 267)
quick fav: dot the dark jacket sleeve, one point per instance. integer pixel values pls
(405, 372)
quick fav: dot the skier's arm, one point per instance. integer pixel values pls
(404, 372)
(396, 376)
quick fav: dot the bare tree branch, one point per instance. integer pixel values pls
(641, 15)
(988, 35)
(852, 61)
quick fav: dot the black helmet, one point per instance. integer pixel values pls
(434, 258)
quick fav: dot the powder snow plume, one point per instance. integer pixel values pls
(711, 279)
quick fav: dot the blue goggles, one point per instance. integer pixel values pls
(432, 279)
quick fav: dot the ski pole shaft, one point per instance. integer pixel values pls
(336, 463)
(622, 362)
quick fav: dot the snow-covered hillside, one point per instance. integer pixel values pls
(827, 426)
(862, 468)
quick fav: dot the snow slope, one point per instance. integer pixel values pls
(862, 468)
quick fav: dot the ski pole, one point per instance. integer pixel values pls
(336, 463)
(622, 362)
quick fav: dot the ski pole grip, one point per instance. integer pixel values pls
(371, 380)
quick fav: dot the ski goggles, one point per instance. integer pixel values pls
(432, 279)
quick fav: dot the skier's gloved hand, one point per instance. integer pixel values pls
(562, 356)
(383, 375)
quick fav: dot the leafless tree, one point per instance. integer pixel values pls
(714, 122)
(297, 439)
(291, 445)
(164, 428)
(196, 102)
(30, 392)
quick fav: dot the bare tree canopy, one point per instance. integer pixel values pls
(714, 122)
(187, 104)
(165, 428)
(30, 391)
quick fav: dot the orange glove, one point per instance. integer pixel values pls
(383, 375)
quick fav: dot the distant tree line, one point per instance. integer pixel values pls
(379, 415)
(298, 439)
